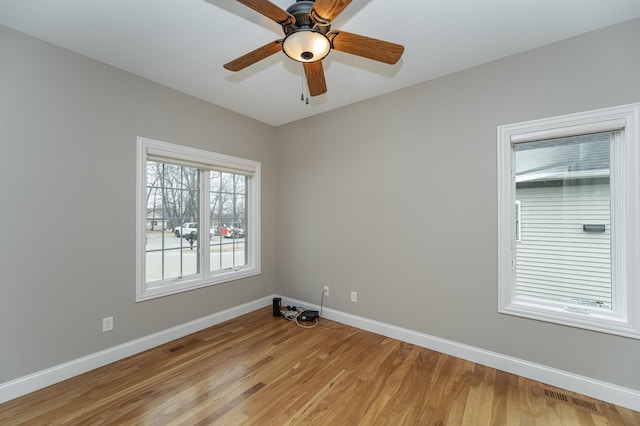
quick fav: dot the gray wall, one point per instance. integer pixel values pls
(68, 128)
(395, 198)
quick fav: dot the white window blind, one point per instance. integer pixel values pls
(204, 160)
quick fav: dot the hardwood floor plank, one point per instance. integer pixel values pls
(261, 370)
(501, 394)
(512, 408)
(554, 413)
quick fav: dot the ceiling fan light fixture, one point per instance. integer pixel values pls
(306, 45)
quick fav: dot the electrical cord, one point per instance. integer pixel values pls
(290, 315)
(294, 315)
(293, 312)
(307, 326)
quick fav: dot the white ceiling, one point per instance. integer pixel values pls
(184, 43)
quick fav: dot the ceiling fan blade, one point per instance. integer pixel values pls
(329, 9)
(254, 56)
(270, 10)
(366, 47)
(315, 77)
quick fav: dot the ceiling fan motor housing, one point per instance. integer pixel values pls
(306, 17)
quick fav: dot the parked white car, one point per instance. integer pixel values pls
(186, 229)
(190, 228)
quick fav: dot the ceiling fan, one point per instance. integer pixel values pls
(308, 38)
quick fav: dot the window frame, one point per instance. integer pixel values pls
(202, 160)
(624, 317)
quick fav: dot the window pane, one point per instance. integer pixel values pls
(228, 217)
(172, 222)
(240, 184)
(215, 180)
(564, 250)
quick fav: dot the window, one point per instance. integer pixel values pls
(198, 220)
(568, 213)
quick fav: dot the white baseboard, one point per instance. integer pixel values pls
(593, 388)
(41, 379)
(608, 392)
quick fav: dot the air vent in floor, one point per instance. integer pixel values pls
(556, 395)
(577, 402)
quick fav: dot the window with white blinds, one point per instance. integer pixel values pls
(198, 218)
(567, 213)
(564, 185)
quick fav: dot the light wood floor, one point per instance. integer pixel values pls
(260, 370)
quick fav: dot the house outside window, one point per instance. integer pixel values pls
(198, 218)
(564, 183)
(568, 220)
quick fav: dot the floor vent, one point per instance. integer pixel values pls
(584, 404)
(177, 348)
(577, 402)
(556, 395)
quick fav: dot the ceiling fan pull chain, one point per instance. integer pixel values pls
(302, 86)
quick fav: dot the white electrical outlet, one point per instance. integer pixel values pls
(107, 324)
(326, 290)
(354, 296)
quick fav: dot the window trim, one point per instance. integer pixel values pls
(203, 160)
(624, 317)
